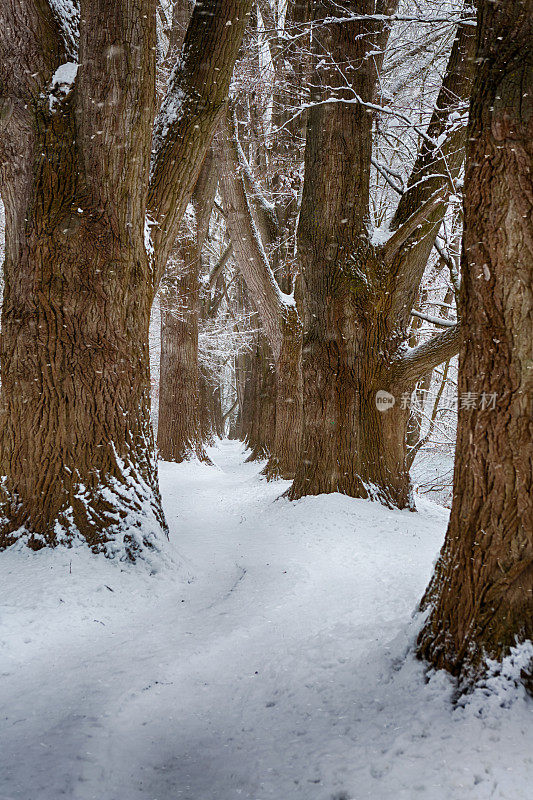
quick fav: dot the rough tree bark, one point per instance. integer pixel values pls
(76, 449)
(481, 594)
(179, 435)
(76, 446)
(357, 296)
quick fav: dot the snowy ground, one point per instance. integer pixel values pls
(268, 664)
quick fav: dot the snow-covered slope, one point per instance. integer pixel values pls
(269, 661)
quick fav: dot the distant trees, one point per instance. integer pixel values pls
(277, 310)
(481, 594)
(180, 433)
(259, 227)
(80, 170)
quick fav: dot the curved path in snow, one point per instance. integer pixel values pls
(270, 662)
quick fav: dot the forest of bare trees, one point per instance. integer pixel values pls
(279, 223)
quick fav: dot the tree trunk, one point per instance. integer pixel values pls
(260, 410)
(179, 433)
(285, 449)
(278, 313)
(357, 297)
(348, 444)
(76, 448)
(352, 444)
(481, 595)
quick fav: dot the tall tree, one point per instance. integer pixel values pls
(76, 448)
(179, 431)
(357, 292)
(276, 309)
(481, 594)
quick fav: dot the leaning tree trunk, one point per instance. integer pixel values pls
(277, 311)
(481, 595)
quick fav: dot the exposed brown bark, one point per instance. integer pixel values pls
(260, 404)
(76, 448)
(76, 445)
(481, 595)
(436, 168)
(179, 434)
(346, 443)
(190, 114)
(358, 297)
(211, 417)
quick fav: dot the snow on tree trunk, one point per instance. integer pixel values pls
(481, 594)
(76, 448)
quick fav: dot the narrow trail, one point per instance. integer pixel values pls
(269, 665)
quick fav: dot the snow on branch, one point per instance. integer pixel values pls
(444, 323)
(417, 361)
(400, 236)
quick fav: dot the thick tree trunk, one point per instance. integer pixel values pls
(481, 595)
(76, 448)
(245, 398)
(285, 449)
(73, 354)
(180, 432)
(190, 113)
(260, 410)
(348, 444)
(357, 297)
(352, 444)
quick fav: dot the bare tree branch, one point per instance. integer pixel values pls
(221, 263)
(265, 212)
(190, 113)
(437, 166)
(444, 323)
(419, 360)
(417, 218)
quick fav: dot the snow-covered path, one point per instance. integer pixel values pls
(269, 663)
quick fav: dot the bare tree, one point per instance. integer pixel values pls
(278, 312)
(358, 289)
(481, 594)
(77, 178)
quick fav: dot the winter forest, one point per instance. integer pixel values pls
(266, 433)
